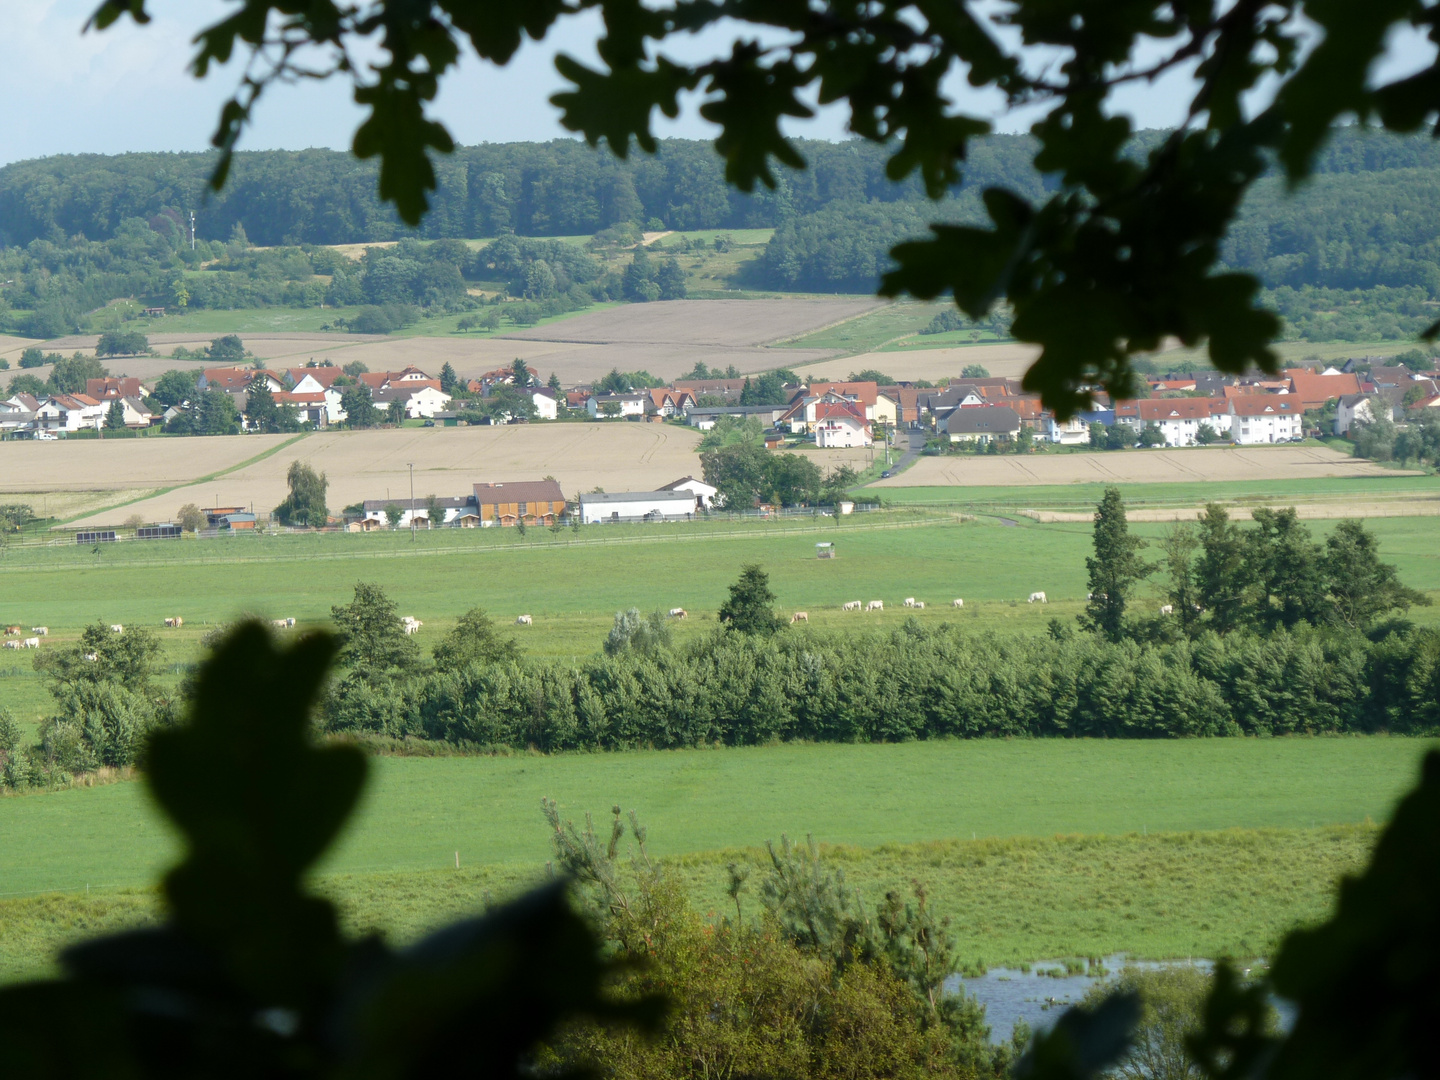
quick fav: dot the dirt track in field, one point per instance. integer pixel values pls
(448, 461)
(1135, 467)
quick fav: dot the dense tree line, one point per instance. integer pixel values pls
(917, 682)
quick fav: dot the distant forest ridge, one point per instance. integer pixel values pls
(1353, 255)
(558, 188)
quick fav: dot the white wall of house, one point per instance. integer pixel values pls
(1072, 432)
(545, 405)
(1363, 411)
(425, 403)
(841, 431)
(628, 407)
(700, 490)
(1264, 428)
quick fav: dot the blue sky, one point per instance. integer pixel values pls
(127, 89)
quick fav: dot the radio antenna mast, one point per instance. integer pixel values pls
(192, 230)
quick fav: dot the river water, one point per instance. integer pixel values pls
(1037, 997)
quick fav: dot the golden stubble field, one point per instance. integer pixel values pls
(1006, 360)
(375, 464)
(1147, 467)
(666, 339)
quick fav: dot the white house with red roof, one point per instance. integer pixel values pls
(840, 425)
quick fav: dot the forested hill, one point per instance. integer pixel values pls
(557, 188)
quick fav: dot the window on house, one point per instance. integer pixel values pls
(524, 507)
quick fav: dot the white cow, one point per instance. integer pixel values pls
(524, 620)
(875, 605)
(12, 644)
(32, 643)
(1038, 597)
(919, 605)
(1168, 609)
(957, 602)
(116, 628)
(280, 624)
(853, 605)
(799, 616)
(41, 630)
(909, 601)
(678, 613)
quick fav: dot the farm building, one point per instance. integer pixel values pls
(536, 502)
(704, 493)
(418, 510)
(600, 507)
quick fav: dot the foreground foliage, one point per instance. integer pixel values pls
(250, 974)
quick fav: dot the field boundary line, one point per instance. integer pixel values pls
(189, 483)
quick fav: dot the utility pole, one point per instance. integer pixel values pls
(412, 501)
(192, 230)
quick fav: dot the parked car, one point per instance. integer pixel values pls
(887, 474)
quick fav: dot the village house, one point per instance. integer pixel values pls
(1072, 432)
(616, 406)
(1178, 419)
(728, 389)
(1266, 418)
(536, 502)
(981, 425)
(135, 412)
(841, 425)
(705, 417)
(1355, 409)
(867, 394)
(380, 380)
(70, 412)
(419, 399)
(599, 507)
(112, 388)
(667, 402)
(1314, 390)
(238, 379)
(312, 407)
(319, 380)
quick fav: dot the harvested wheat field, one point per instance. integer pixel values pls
(1135, 467)
(470, 356)
(374, 464)
(1007, 360)
(115, 465)
(701, 322)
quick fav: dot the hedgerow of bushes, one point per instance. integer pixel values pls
(916, 683)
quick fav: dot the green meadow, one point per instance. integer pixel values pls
(1241, 837)
(1330, 490)
(573, 583)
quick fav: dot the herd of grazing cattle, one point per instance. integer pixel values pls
(412, 625)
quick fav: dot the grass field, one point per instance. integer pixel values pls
(573, 583)
(969, 818)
